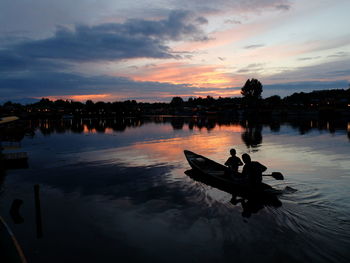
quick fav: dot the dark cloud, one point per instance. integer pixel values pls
(93, 44)
(254, 46)
(40, 84)
(11, 62)
(254, 67)
(38, 17)
(112, 41)
(330, 70)
(179, 25)
(233, 6)
(338, 55)
(40, 67)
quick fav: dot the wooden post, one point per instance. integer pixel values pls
(39, 226)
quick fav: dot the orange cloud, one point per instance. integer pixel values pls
(181, 73)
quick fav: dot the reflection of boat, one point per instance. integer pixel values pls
(10, 251)
(216, 175)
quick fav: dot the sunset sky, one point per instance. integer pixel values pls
(110, 50)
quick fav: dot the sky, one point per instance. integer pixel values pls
(112, 50)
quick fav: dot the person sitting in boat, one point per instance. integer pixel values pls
(233, 162)
(252, 170)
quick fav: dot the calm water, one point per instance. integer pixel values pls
(116, 191)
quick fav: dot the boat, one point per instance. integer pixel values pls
(10, 250)
(217, 175)
(8, 119)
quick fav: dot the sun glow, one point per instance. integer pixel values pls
(182, 73)
(86, 97)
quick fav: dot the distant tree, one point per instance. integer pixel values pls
(100, 105)
(252, 89)
(209, 100)
(62, 103)
(8, 104)
(90, 106)
(77, 105)
(273, 101)
(177, 102)
(89, 103)
(190, 101)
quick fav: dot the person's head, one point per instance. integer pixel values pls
(233, 152)
(246, 158)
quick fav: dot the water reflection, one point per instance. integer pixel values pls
(251, 203)
(122, 181)
(177, 123)
(251, 136)
(47, 126)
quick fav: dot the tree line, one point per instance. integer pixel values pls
(251, 100)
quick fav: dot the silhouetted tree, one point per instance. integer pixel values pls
(273, 101)
(176, 102)
(251, 91)
(90, 105)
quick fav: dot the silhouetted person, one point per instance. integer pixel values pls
(233, 162)
(252, 170)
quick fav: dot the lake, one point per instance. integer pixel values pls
(116, 191)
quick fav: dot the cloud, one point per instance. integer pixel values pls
(333, 70)
(97, 43)
(234, 6)
(309, 58)
(339, 55)
(179, 25)
(232, 21)
(254, 46)
(283, 7)
(11, 61)
(41, 84)
(39, 67)
(255, 67)
(135, 38)
(39, 17)
(180, 72)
